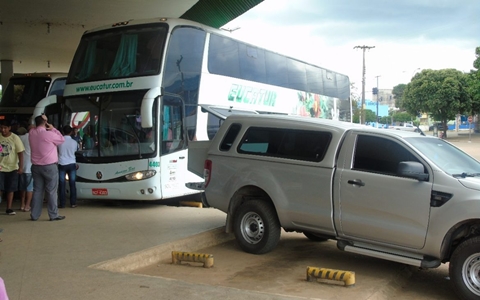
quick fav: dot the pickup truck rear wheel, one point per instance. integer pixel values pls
(256, 227)
(464, 269)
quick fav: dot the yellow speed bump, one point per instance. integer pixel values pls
(321, 273)
(206, 259)
(191, 203)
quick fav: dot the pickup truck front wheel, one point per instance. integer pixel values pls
(256, 227)
(464, 269)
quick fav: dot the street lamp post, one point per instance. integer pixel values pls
(415, 72)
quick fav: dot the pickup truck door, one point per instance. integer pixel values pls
(374, 204)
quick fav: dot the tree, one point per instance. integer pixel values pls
(370, 116)
(384, 120)
(401, 116)
(397, 92)
(354, 92)
(474, 84)
(440, 93)
(355, 99)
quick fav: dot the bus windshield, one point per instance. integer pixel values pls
(119, 53)
(110, 127)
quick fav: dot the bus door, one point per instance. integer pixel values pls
(57, 115)
(173, 148)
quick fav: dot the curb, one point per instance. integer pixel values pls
(152, 255)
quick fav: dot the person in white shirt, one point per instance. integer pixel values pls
(67, 165)
(26, 179)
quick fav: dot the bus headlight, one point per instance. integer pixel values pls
(141, 175)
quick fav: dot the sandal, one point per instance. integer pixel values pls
(22, 208)
(27, 209)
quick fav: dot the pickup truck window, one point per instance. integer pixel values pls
(230, 137)
(217, 115)
(379, 155)
(286, 143)
(447, 157)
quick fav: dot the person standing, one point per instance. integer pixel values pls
(11, 163)
(67, 165)
(76, 136)
(44, 139)
(26, 179)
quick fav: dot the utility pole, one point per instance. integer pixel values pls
(362, 114)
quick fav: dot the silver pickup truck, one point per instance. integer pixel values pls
(389, 194)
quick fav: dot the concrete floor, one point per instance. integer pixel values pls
(50, 260)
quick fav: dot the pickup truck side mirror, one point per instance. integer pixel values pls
(412, 169)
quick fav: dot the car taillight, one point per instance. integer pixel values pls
(207, 171)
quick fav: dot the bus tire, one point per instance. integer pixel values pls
(464, 269)
(256, 227)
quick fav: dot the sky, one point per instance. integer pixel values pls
(408, 35)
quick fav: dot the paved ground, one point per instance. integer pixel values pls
(282, 272)
(73, 259)
(469, 143)
(50, 260)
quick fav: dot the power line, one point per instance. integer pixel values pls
(362, 117)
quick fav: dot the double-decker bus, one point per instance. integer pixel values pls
(24, 91)
(140, 91)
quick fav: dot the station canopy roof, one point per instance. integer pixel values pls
(41, 36)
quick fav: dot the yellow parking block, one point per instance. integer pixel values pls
(347, 277)
(206, 259)
(191, 203)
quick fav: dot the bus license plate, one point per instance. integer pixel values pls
(100, 192)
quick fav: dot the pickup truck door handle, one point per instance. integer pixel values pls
(181, 157)
(356, 182)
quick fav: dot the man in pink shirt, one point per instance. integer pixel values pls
(44, 140)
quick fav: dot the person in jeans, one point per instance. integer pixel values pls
(11, 163)
(44, 139)
(67, 165)
(25, 185)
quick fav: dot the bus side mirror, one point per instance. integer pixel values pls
(147, 107)
(42, 104)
